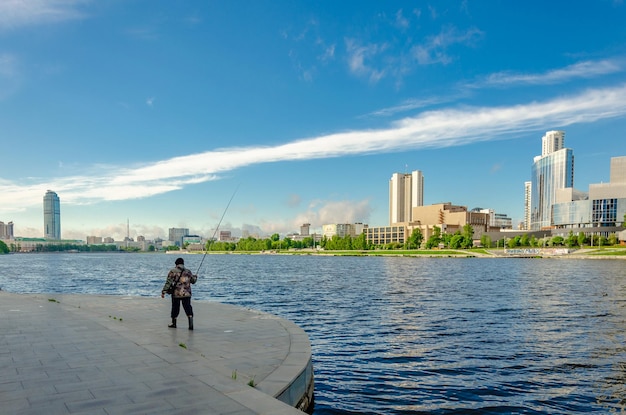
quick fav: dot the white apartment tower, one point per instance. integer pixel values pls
(406, 191)
(552, 141)
(527, 203)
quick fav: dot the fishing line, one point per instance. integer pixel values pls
(218, 226)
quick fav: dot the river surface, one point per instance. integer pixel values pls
(405, 335)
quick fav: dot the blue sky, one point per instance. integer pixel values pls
(157, 112)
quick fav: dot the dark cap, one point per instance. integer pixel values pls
(179, 261)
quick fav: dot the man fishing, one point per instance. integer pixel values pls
(178, 284)
(179, 281)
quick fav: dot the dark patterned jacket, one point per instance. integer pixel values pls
(181, 279)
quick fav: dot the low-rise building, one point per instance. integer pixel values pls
(447, 217)
(343, 229)
(383, 235)
(94, 240)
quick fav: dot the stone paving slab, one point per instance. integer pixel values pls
(92, 354)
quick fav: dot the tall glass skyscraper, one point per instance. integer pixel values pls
(551, 171)
(406, 191)
(51, 215)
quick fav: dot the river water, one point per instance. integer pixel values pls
(405, 335)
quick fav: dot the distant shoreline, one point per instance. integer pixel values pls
(528, 253)
(537, 253)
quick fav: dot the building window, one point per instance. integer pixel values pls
(604, 212)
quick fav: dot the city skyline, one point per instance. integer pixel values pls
(159, 112)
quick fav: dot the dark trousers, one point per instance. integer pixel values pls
(186, 305)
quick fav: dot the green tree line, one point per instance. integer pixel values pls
(461, 239)
(570, 241)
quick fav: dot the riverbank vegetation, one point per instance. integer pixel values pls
(438, 244)
(460, 240)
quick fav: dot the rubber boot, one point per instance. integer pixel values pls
(190, 318)
(173, 325)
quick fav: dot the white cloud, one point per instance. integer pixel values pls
(338, 211)
(401, 21)
(432, 129)
(360, 59)
(375, 61)
(435, 48)
(18, 13)
(328, 53)
(585, 69)
(412, 104)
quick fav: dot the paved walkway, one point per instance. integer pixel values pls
(87, 354)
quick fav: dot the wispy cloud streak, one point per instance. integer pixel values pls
(413, 104)
(18, 13)
(432, 129)
(586, 69)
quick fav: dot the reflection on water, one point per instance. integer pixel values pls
(406, 335)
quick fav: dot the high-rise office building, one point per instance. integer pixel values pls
(551, 172)
(51, 215)
(406, 191)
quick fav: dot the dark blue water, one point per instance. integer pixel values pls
(406, 335)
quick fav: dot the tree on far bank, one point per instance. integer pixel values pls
(360, 242)
(456, 241)
(435, 238)
(581, 239)
(4, 249)
(524, 240)
(485, 241)
(556, 241)
(571, 240)
(468, 236)
(415, 240)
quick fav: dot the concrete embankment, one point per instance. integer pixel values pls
(92, 354)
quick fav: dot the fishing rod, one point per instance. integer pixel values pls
(217, 227)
